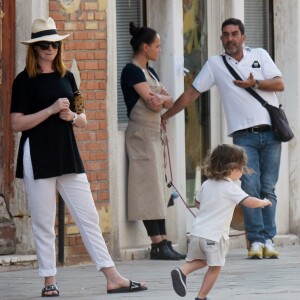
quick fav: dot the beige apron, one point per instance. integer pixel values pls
(146, 184)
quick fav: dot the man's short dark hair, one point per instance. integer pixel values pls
(233, 21)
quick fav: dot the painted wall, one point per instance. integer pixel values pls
(287, 37)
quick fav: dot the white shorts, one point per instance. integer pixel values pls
(213, 252)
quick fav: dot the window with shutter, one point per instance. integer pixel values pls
(258, 24)
(127, 11)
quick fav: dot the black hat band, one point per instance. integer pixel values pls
(43, 33)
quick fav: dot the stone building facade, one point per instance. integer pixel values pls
(91, 53)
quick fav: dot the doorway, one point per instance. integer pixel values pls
(197, 116)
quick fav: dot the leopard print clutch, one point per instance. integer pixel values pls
(78, 102)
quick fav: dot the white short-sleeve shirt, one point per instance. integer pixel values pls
(242, 110)
(217, 199)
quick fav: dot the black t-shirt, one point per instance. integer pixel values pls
(53, 147)
(132, 75)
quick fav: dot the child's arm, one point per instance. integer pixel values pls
(253, 202)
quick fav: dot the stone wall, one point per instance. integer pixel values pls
(7, 230)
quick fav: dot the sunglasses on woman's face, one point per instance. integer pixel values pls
(45, 45)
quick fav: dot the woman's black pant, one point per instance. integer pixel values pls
(155, 227)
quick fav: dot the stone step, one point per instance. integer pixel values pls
(237, 241)
(17, 262)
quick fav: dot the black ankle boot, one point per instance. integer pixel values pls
(180, 256)
(162, 251)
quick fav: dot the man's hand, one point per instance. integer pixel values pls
(197, 204)
(248, 83)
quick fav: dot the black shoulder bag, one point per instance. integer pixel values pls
(280, 124)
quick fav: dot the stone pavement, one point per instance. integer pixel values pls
(241, 278)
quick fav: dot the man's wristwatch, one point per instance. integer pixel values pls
(256, 85)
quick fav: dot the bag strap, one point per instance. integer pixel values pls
(237, 77)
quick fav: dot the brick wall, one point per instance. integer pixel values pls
(87, 45)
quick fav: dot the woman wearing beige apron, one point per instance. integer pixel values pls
(145, 98)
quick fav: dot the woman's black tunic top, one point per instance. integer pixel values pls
(53, 147)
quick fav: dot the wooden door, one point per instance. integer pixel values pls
(7, 73)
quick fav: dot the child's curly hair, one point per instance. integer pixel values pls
(223, 160)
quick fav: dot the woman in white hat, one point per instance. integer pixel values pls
(42, 109)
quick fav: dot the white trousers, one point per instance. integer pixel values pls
(76, 193)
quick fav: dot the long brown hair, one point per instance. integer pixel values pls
(32, 66)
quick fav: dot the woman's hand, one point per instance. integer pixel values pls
(70, 116)
(168, 100)
(155, 101)
(21, 122)
(58, 105)
(164, 91)
(67, 115)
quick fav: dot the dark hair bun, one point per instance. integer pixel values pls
(134, 31)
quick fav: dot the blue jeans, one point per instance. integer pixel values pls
(264, 153)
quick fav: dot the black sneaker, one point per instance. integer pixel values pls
(179, 282)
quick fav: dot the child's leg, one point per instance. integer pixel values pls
(179, 275)
(209, 280)
(189, 267)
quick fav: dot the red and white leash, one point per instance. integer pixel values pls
(167, 160)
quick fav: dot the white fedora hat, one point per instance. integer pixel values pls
(44, 30)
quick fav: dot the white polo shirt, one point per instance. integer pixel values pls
(217, 199)
(242, 110)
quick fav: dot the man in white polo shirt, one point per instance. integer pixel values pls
(248, 123)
